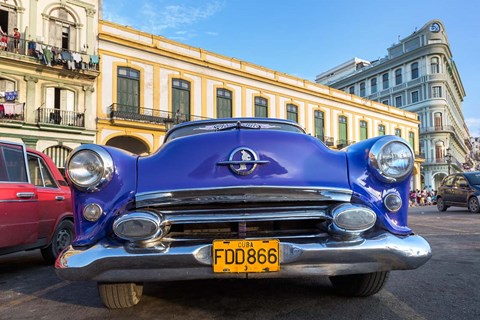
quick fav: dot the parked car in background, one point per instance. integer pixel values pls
(242, 198)
(460, 190)
(35, 203)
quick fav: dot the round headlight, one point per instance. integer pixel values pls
(89, 167)
(392, 159)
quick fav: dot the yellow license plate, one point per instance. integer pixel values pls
(245, 256)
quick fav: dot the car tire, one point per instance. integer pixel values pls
(62, 238)
(473, 205)
(441, 205)
(120, 295)
(359, 285)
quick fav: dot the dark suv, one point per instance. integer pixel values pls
(460, 189)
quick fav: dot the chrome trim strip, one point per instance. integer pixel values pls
(243, 194)
(29, 200)
(172, 218)
(324, 256)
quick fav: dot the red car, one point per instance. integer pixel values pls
(35, 203)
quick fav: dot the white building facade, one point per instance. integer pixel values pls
(418, 75)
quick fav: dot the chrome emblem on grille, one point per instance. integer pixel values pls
(242, 161)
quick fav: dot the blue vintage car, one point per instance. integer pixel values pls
(244, 198)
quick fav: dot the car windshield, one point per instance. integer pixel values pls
(231, 124)
(473, 178)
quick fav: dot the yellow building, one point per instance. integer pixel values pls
(147, 83)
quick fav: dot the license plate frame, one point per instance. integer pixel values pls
(246, 256)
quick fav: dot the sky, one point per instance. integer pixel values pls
(304, 38)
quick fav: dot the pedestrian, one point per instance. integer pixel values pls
(4, 38)
(16, 39)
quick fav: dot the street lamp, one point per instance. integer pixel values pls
(448, 158)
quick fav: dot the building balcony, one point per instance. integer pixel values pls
(49, 56)
(139, 114)
(343, 143)
(327, 140)
(60, 117)
(12, 112)
(437, 129)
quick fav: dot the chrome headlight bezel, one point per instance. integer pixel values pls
(378, 162)
(96, 153)
(137, 222)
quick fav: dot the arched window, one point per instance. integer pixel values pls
(373, 85)
(385, 81)
(434, 65)
(398, 76)
(59, 155)
(261, 107)
(292, 112)
(62, 32)
(128, 90)
(181, 99)
(414, 70)
(224, 103)
(362, 89)
(398, 132)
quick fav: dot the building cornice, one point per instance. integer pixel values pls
(161, 46)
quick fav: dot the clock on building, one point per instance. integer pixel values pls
(435, 27)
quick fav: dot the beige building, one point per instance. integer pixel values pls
(48, 74)
(147, 83)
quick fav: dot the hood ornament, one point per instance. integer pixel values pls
(242, 161)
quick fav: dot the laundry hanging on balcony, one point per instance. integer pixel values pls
(11, 95)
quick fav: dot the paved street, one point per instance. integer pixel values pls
(447, 287)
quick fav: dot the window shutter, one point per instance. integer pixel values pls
(50, 98)
(69, 100)
(73, 38)
(52, 32)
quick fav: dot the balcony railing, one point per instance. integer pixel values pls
(437, 129)
(12, 112)
(327, 140)
(61, 117)
(126, 112)
(344, 143)
(50, 55)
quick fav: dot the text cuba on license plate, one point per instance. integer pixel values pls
(246, 255)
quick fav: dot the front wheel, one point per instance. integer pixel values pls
(359, 285)
(473, 205)
(120, 295)
(441, 205)
(61, 239)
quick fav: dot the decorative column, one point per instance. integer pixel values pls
(90, 30)
(88, 107)
(30, 108)
(33, 14)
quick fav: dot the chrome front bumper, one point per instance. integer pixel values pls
(298, 257)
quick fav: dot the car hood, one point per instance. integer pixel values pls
(202, 161)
